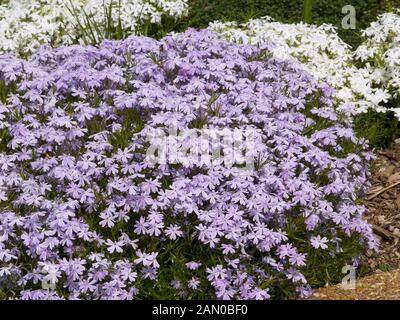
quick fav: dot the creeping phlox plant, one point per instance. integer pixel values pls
(380, 53)
(320, 51)
(26, 24)
(87, 213)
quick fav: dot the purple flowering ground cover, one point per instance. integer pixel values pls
(84, 211)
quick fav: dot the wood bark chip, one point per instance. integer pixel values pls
(394, 177)
(383, 190)
(389, 155)
(384, 233)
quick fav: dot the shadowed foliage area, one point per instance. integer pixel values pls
(289, 11)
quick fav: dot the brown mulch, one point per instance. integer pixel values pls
(383, 203)
(378, 286)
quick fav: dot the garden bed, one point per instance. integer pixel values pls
(141, 158)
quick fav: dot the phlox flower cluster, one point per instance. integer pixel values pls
(380, 54)
(26, 24)
(320, 51)
(84, 215)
